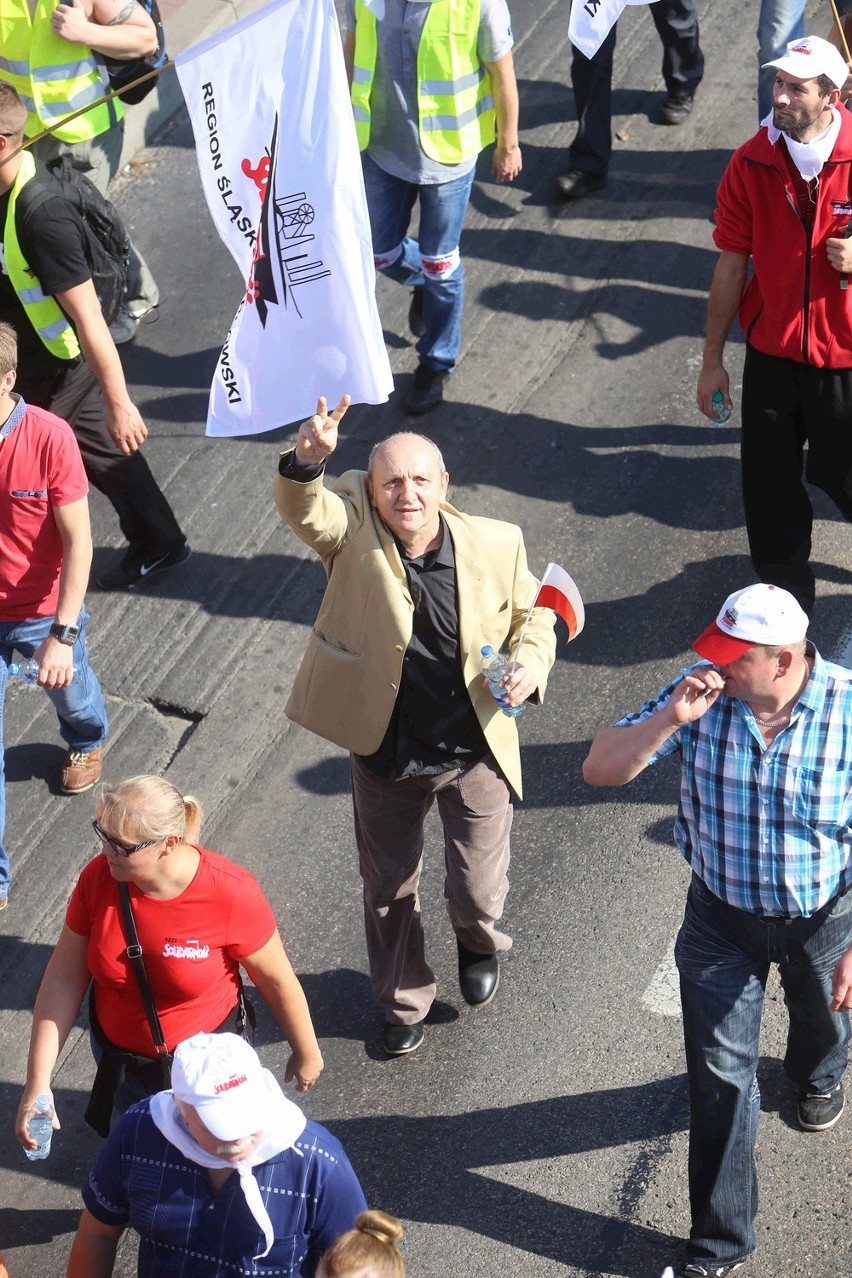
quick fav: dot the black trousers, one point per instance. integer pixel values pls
(145, 517)
(786, 405)
(591, 78)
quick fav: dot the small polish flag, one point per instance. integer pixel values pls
(558, 591)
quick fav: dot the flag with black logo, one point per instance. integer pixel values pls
(279, 163)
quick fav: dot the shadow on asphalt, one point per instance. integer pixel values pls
(436, 1170)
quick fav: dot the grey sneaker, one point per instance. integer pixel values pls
(123, 327)
(822, 1110)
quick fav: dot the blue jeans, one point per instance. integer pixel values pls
(723, 956)
(80, 707)
(780, 21)
(423, 261)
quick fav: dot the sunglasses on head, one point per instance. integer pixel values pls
(121, 849)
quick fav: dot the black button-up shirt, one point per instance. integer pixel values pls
(433, 726)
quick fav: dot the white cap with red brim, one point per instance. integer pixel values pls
(759, 614)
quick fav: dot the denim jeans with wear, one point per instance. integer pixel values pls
(80, 707)
(442, 209)
(723, 957)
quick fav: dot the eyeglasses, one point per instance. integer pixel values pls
(121, 849)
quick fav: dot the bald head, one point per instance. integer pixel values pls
(407, 483)
(405, 439)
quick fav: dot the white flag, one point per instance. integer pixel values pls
(592, 20)
(276, 147)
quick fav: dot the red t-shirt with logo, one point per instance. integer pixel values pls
(191, 945)
(40, 467)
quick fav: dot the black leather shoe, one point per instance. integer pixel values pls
(479, 976)
(575, 184)
(675, 110)
(426, 391)
(399, 1040)
(416, 322)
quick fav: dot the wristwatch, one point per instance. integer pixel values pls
(65, 634)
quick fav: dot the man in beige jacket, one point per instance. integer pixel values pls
(392, 673)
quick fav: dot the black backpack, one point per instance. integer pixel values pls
(121, 73)
(107, 241)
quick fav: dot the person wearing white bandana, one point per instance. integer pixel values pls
(222, 1175)
(785, 205)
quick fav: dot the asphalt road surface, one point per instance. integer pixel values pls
(545, 1134)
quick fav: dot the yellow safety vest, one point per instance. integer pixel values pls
(43, 311)
(53, 76)
(454, 99)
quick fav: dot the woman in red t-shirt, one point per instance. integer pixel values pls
(199, 918)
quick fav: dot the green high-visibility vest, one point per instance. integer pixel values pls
(43, 311)
(53, 76)
(454, 99)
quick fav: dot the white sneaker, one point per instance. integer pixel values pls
(138, 307)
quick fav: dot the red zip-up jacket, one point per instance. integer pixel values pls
(793, 305)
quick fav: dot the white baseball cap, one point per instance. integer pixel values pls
(812, 56)
(221, 1076)
(758, 614)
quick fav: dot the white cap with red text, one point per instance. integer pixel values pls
(812, 56)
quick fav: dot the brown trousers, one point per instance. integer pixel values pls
(474, 804)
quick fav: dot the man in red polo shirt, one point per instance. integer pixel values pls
(785, 204)
(45, 556)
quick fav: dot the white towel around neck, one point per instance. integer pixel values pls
(808, 157)
(285, 1126)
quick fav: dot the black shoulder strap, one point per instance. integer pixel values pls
(134, 953)
(34, 193)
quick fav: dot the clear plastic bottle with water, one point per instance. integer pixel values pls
(494, 666)
(27, 671)
(721, 414)
(40, 1127)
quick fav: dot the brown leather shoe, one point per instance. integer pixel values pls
(82, 771)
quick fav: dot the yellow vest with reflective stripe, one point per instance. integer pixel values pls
(454, 99)
(44, 312)
(53, 76)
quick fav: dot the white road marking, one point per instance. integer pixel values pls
(663, 994)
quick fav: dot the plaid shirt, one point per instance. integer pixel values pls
(767, 828)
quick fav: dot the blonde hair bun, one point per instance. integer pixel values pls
(380, 1225)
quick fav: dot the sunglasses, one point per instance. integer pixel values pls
(121, 849)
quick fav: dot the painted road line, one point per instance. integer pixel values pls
(663, 994)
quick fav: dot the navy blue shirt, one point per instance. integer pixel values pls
(186, 1230)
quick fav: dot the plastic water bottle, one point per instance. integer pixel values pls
(27, 671)
(720, 412)
(40, 1127)
(494, 666)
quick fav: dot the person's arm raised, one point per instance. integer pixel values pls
(620, 754)
(317, 438)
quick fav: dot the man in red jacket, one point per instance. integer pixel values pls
(785, 202)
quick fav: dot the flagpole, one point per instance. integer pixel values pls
(839, 23)
(90, 106)
(523, 632)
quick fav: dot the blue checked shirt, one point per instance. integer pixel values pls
(767, 828)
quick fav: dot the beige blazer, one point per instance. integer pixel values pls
(347, 683)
